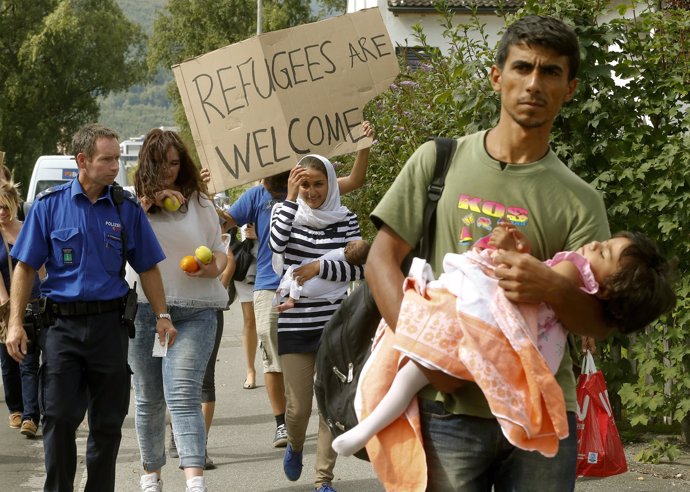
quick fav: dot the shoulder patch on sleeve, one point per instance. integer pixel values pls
(47, 192)
(131, 197)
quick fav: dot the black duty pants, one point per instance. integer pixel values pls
(84, 366)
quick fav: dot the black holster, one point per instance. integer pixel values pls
(32, 325)
(129, 313)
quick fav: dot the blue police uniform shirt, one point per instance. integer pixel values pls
(254, 206)
(80, 243)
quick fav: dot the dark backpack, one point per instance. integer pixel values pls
(347, 337)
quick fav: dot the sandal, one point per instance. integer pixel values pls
(248, 386)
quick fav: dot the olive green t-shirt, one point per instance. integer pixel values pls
(556, 209)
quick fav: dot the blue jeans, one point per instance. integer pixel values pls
(208, 387)
(174, 380)
(471, 454)
(20, 381)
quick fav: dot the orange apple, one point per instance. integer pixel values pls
(189, 264)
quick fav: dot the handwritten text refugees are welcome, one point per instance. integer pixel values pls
(256, 106)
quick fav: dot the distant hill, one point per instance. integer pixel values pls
(142, 12)
(142, 107)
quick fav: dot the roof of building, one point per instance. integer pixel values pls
(429, 5)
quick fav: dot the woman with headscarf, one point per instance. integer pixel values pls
(308, 223)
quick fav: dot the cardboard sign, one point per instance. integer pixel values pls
(257, 106)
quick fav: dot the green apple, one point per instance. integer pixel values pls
(204, 254)
(171, 204)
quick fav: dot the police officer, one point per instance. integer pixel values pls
(82, 232)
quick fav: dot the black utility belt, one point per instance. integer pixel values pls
(83, 308)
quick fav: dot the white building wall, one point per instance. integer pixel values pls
(355, 5)
(400, 26)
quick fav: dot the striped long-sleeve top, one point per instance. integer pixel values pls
(299, 328)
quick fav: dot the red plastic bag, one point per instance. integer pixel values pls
(599, 448)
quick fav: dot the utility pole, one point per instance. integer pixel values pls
(259, 19)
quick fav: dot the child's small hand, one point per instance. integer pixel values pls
(501, 238)
(521, 242)
(205, 175)
(506, 236)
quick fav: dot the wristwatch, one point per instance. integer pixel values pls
(163, 316)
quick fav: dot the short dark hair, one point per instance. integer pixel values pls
(357, 251)
(84, 140)
(547, 32)
(277, 184)
(148, 179)
(642, 289)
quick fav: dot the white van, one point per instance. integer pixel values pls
(53, 170)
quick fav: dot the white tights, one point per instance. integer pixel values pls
(407, 383)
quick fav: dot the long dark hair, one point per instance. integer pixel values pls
(148, 180)
(642, 289)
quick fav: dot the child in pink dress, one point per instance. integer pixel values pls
(626, 272)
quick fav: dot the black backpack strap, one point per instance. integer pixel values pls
(445, 148)
(118, 195)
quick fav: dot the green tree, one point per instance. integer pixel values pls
(191, 28)
(57, 57)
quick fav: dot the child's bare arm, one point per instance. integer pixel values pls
(569, 271)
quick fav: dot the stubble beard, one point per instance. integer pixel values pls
(528, 122)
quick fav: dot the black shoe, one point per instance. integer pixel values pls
(280, 438)
(210, 465)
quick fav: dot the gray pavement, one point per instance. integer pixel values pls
(239, 443)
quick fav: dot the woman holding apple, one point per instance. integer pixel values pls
(171, 191)
(308, 223)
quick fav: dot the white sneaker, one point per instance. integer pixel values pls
(196, 484)
(151, 483)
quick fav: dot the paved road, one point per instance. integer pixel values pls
(239, 443)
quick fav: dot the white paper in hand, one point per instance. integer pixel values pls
(158, 349)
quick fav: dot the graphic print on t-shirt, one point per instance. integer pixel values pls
(483, 215)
